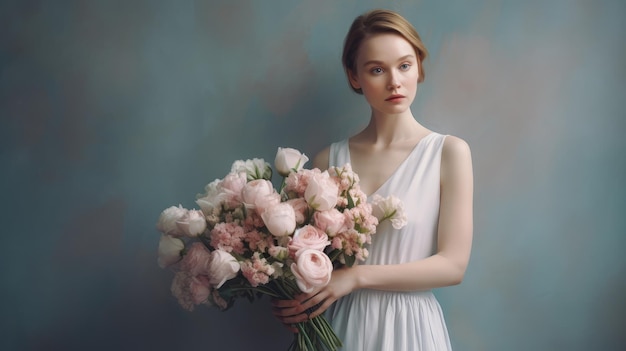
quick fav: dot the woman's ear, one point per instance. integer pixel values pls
(352, 77)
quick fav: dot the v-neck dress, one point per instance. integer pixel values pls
(384, 320)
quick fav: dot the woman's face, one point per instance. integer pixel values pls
(387, 72)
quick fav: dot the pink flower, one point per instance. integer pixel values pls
(308, 237)
(228, 237)
(312, 269)
(223, 267)
(322, 192)
(280, 219)
(192, 223)
(200, 289)
(181, 290)
(331, 221)
(231, 187)
(257, 270)
(169, 250)
(197, 260)
(289, 160)
(296, 183)
(256, 192)
(168, 218)
(301, 209)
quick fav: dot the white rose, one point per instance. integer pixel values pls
(312, 269)
(192, 223)
(211, 197)
(288, 160)
(280, 219)
(223, 267)
(322, 192)
(168, 218)
(256, 168)
(257, 192)
(169, 250)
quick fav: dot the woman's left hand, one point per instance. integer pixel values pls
(342, 282)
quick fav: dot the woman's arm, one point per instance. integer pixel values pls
(446, 267)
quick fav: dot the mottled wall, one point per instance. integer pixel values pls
(113, 110)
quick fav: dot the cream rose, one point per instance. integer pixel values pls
(223, 267)
(308, 237)
(322, 192)
(192, 223)
(169, 250)
(289, 160)
(168, 218)
(211, 197)
(390, 208)
(256, 168)
(280, 219)
(312, 269)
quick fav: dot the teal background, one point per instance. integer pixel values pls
(112, 111)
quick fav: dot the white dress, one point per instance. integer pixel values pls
(379, 320)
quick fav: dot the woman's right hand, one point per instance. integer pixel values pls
(289, 312)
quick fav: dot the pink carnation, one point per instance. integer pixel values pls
(257, 270)
(200, 289)
(258, 241)
(228, 237)
(181, 290)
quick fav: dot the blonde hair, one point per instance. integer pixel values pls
(376, 22)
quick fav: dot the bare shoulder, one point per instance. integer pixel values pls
(454, 148)
(456, 157)
(321, 159)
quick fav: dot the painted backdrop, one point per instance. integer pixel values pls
(112, 111)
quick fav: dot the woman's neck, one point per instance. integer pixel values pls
(388, 129)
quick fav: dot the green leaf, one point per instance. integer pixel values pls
(349, 260)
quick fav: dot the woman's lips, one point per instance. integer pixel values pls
(395, 98)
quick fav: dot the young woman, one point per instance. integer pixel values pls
(386, 303)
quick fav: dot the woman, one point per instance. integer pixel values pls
(386, 303)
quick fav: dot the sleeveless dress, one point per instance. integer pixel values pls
(379, 320)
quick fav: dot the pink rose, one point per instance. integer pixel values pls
(308, 237)
(223, 267)
(168, 218)
(256, 191)
(231, 186)
(300, 207)
(322, 192)
(192, 223)
(331, 221)
(267, 201)
(169, 250)
(197, 260)
(289, 160)
(312, 269)
(280, 219)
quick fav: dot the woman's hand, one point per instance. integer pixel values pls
(311, 305)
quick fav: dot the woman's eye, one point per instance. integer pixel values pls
(405, 66)
(377, 70)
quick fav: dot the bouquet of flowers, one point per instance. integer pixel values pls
(249, 239)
